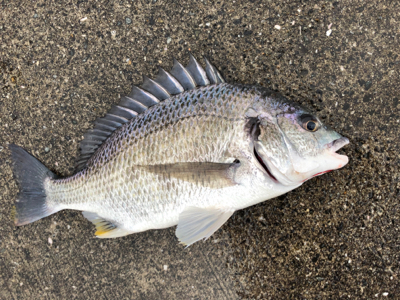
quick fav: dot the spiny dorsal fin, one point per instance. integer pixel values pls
(140, 98)
(169, 82)
(183, 76)
(155, 88)
(212, 73)
(197, 72)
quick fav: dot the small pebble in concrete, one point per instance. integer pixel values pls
(128, 20)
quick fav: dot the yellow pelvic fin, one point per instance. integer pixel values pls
(105, 228)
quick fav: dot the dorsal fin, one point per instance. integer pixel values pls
(169, 82)
(140, 98)
(183, 76)
(197, 72)
(155, 88)
(212, 73)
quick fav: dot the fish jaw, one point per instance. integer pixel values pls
(303, 169)
(334, 146)
(329, 160)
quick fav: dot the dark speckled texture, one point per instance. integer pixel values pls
(64, 64)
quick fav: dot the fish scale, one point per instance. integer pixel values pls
(172, 153)
(132, 146)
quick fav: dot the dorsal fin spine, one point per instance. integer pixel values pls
(169, 82)
(132, 104)
(107, 122)
(155, 88)
(183, 76)
(143, 97)
(104, 127)
(197, 72)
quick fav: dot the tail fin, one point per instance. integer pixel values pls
(30, 173)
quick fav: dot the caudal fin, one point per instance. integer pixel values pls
(30, 173)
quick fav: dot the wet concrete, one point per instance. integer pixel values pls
(63, 65)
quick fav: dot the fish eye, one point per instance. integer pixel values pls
(309, 123)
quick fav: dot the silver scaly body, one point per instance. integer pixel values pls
(202, 125)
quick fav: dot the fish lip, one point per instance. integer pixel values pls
(334, 146)
(337, 144)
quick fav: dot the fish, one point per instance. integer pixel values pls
(187, 149)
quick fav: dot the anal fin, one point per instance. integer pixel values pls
(197, 223)
(104, 228)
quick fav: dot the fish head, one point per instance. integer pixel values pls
(292, 145)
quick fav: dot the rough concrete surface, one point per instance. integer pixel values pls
(64, 63)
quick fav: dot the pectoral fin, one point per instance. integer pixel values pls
(213, 175)
(197, 223)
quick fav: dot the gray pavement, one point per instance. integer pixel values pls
(64, 64)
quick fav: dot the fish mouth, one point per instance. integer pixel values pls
(337, 144)
(264, 165)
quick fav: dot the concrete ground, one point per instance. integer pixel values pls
(64, 64)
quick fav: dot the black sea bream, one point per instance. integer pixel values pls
(184, 149)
